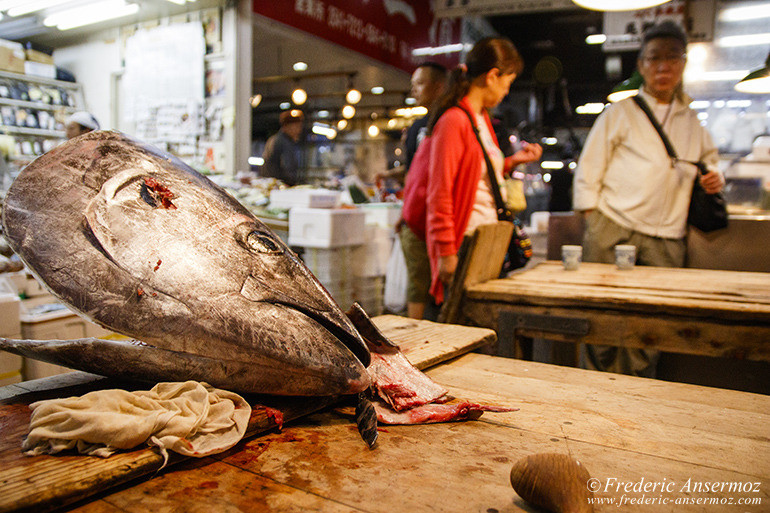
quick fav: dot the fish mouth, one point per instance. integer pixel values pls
(332, 319)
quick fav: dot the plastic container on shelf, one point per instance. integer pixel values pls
(304, 197)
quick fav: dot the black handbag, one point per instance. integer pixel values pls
(708, 212)
(520, 247)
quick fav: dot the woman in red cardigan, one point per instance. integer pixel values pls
(459, 198)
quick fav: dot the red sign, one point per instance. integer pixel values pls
(386, 30)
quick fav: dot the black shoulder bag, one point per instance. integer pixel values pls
(708, 212)
(520, 248)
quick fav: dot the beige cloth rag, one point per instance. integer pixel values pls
(190, 418)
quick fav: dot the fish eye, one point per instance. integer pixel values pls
(261, 243)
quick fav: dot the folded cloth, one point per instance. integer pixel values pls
(190, 418)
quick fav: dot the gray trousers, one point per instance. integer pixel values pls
(601, 237)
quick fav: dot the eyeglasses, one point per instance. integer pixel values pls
(668, 59)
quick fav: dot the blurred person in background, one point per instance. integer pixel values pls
(629, 189)
(282, 154)
(459, 195)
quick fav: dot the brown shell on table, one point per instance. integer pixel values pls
(552, 481)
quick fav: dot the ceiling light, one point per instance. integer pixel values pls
(255, 100)
(627, 88)
(10, 4)
(90, 13)
(750, 12)
(353, 96)
(552, 164)
(299, 66)
(392, 124)
(342, 124)
(378, 90)
(256, 161)
(33, 6)
(299, 96)
(325, 130)
(373, 131)
(323, 113)
(590, 108)
(410, 101)
(348, 111)
(596, 39)
(618, 5)
(284, 105)
(757, 82)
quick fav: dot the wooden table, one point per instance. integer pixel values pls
(627, 432)
(692, 311)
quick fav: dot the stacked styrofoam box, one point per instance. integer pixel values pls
(371, 257)
(44, 319)
(304, 197)
(332, 268)
(326, 227)
(10, 327)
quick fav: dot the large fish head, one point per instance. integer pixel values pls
(142, 244)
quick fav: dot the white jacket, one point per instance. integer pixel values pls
(625, 172)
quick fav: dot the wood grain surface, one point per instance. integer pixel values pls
(43, 483)
(626, 431)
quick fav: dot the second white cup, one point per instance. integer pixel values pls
(625, 256)
(571, 256)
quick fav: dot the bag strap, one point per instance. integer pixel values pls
(666, 142)
(502, 213)
(646, 108)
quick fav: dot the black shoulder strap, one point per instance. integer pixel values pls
(502, 213)
(646, 108)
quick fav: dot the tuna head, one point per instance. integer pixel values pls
(143, 245)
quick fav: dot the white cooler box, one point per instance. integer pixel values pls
(326, 227)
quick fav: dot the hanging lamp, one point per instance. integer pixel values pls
(618, 5)
(757, 82)
(627, 88)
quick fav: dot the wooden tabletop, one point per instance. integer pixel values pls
(729, 294)
(626, 431)
(689, 311)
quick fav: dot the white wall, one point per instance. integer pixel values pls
(93, 64)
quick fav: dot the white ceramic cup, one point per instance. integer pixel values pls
(571, 256)
(625, 256)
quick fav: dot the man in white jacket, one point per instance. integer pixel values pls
(628, 187)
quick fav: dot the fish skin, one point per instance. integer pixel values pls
(178, 264)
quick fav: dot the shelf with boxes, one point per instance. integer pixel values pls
(33, 110)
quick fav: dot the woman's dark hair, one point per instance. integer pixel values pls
(486, 54)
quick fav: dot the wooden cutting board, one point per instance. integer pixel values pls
(44, 483)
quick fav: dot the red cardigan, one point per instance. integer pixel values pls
(453, 176)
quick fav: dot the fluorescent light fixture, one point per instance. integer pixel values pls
(34, 6)
(552, 164)
(749, 12)
(744, 40)
(325, 130)
(438, 50)
(596, 39)
(716, 76)
(590, 108)
(410, 101)
(618, 5)
(323, 113)
(700, 104)
(549, 141)
(90, 13)
(284, 105)
(738, 104)
(378, 90)
(256, 161)
(177, 2)
(10, 4)
(299, 66)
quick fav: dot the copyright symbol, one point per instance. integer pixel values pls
(593, 485)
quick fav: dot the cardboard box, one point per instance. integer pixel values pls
(39, 69)
(11, 56)
(41, 57)
(9, 311)
(10, 367)
(326, 228)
